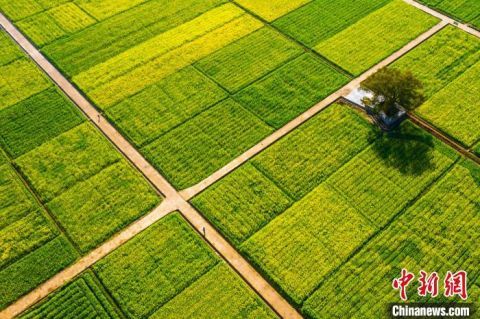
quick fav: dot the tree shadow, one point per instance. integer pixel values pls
(406, 149)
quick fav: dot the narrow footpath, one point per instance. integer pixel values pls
(443, 17)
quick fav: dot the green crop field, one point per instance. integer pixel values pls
(271, 98)
(31, 247)
(160, 77)
(194, 147)
(375, 37)
(426, 236)
(464, 10)
(449, 63)
(321, 19)
(81, 298)
(271, 10)
(204, 147)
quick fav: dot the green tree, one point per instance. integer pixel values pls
(392, 88)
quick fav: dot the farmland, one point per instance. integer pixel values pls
(343, 199)
(51, 160)
(169, 264)
(448, 63)
(178, 271)
(161, 78)
(376, 36)
(84, 297)
(206, 159)
(464, 10)
(422, 238)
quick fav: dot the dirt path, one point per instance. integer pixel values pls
(443, 137)
(344, 91)
(445, 18)
(172, 202)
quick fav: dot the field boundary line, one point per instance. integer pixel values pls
(306, 48)
(444, 17)
(173, 201)
(72, 271)
(191, 192)
(443, 137)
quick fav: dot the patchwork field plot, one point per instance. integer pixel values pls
(35, 120)
(448, 64)
(207, 141)
(271, 10)
(248, 58)
(465, 10)
(353, 183)
(375, 37)
(238, 204)
(328, 214)
(426, 237)
(322, 229)
(31, 247)
(321, 19)
(291, 89)
(64, 187)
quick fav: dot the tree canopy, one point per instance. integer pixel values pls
(392, 88)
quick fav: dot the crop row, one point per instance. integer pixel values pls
(246, 60)
(165, 105)
(166, 64)
(53, 24)
(121, 32)
(464, 10)
(271, 10)
(81, 298)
